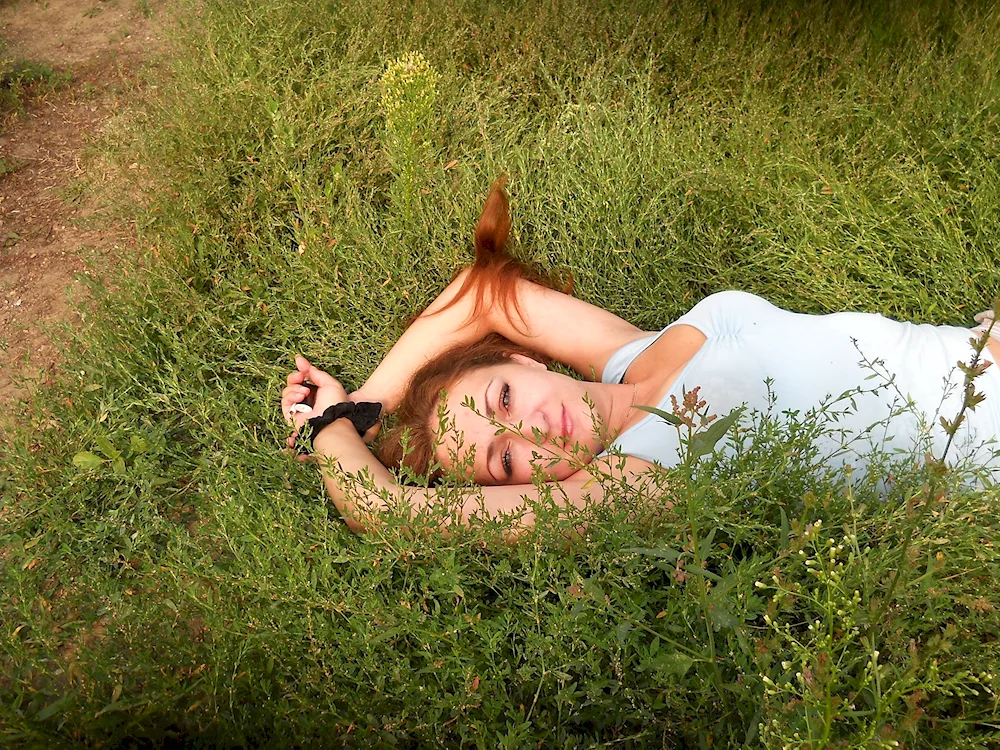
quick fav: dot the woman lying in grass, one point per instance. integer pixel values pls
(505, 416)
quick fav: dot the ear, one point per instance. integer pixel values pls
(527, 361)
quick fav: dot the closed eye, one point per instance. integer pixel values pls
(505, 397)
(505, 460)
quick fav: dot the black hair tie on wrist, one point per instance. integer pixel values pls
(363, 416)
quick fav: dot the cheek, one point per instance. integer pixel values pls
(528, 458)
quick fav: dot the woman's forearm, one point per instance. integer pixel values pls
(550, 323)
(340, 445)
(428, 336)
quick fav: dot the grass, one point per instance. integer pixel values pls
(20, 77)
(171, 576)
(10, 165)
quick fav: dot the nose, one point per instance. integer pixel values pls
(536, 420)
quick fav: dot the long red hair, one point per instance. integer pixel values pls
(492, 279)
(492, 282)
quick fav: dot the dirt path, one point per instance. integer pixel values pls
(49, 232)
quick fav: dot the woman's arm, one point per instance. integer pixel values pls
(341, 451)
(493, 296)
(556, 325)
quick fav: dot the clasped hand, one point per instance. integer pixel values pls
(328, 392)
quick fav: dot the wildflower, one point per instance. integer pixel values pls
(409, 83)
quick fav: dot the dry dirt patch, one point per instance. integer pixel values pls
(49, 232)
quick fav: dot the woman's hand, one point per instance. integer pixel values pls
(328, 392)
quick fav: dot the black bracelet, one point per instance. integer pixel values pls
(363, 416)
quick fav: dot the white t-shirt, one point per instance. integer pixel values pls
(883, 384)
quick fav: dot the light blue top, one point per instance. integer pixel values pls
(756, 353)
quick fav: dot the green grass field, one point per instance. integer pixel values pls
(171, 577)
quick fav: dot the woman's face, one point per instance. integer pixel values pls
(543, 419)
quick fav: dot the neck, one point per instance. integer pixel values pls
(622, 412)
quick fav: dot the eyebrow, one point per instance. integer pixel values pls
(491, 448)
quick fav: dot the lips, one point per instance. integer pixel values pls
(567, 426)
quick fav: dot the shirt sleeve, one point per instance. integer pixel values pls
(712, 316)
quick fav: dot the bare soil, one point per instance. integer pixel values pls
(51, 231)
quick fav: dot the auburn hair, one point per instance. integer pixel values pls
(492, 279)
(492, 282)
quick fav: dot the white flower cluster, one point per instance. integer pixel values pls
(812, 674)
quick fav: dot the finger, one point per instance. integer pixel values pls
(295, 393)
(297, 415)
(320, 378)
(302, 363)
(295, 377)
(288, 398)
(301, 457)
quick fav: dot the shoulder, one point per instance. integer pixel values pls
(719, 310)
(731, 299)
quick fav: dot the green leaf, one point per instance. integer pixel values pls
(87, 460)
(704, 442)
(705, 547)
(675, 663)
(53, 707)
(622, 630)
(721, 615)
(694, 570)
(106, 447)
(593, 589)
(666, 416)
